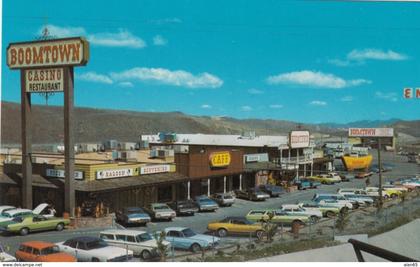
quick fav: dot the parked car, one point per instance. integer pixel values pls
(236, 225)
(88, 248)
(36, 223)
(272, 190)
(132, 215)
(293, 209)
(327, 211)
(205, 203)
(386, 193)
(361, 175)
(252, 194)
(362, 200)
(184, 207)
(8, 216)
(185, 238)
(384, 168)
(224, 199)
(160, 211)
(40, 251)
(5, 208)
(395, 187)
(279, 217)
(4, 256)
(346, 177)
(334, 199)
(358, 191)
(141, 243)
(325, 178)
(303, 184)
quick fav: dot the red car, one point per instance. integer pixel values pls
(39, 251)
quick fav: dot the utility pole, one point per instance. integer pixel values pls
(380, 172)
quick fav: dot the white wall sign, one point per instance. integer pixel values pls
(371, 132)
(106, 174)
(262, 157)
(78, 175)
(299, 139)
(154, 169)
(44, 80)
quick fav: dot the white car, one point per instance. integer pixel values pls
(5, 257)
(13, 213)
(334, 176)
(87, 248)
(356, 191)
(141, 243)
(335, 200)
(6, 208)
(294, 209)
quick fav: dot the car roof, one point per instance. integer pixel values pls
(122, 232)
(175, 229)
(235, 218)
(38, 244)
(158, 204)
(289, 206)
(13, 212)
(84, 238)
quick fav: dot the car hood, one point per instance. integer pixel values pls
(60, 257)
(138, 215)
(207, 238)
(40, 208)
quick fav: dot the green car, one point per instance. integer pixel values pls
(327, 211)
(25, 225)
(279, 216)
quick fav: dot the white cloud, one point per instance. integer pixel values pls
(314, 79)
(123, 38)
(254, 91)
(318, 103)
(339, 62)
(94, 77)
(206, 106)
(387, 96)
(246, 108)
(126, 84)
(159, 40)
(375, 54)
(276, 106)
(60, 32)
(166, 21)
(346, 98)
(169, 77)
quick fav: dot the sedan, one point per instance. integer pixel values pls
(279, 216)
(161, 211)
(36, 223)
(187, 239)
(235, 225)
(87, 248)
(224, 199)
(133, 215)
(184, 207)
(252, 194)
(272, 190)
(206, 204)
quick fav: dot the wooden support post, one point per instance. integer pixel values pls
(26, 144)
(69, 193)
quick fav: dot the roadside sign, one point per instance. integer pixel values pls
(371, 132)
(44, 80)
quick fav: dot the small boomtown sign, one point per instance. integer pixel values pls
(57, 52)
(47, 66)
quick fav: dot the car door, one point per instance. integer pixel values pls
(240, 226)
(24, 253)
(132, 244)
(177, 239)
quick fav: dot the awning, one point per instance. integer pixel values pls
(261, 166)
(126, 182)
(37, 180)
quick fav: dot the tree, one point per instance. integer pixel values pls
(162, 247)
(269, 227)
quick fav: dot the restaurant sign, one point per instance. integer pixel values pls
(220, 159)
(114, 173)
(48, 53)
(44, 80)
(155, 169)
(299, 139)
(262, 157)
(371, 132)
(78, 175)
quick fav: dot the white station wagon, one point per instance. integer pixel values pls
(140, 242)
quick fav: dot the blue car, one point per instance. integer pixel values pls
(303, 184)
(186, 239)
(206, 204)
(133, 215)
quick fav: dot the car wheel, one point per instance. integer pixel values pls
(146, 255)
(344, 210)
(195, 248)
(95, 260)
(314, 219)
(24, 231)
(385, 196)
(259, 234)
(330, 214)
(394, 196)
(59, 227)
(222, 232)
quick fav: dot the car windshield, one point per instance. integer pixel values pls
(161, 207)
(96, 244)
(50, 250)
(144, 237)
(17, 219)
(227, 197)
(188, 232)
(134, 210)
(205, 200)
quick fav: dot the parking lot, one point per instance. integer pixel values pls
(199, 221)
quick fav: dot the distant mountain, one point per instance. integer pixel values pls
(96, 125)
(362, 124)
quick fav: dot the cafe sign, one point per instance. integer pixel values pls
(48, 53)
(78, 175)
(114, 173)
(220, 159)
(154, 169)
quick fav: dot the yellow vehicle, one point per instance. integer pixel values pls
(392, 193)
(236, 225)
(325, 178)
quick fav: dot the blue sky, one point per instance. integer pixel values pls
(307, 61)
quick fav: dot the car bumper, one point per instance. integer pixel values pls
(139, 220)
(187, 211)
(209, 207)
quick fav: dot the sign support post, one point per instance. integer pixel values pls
(26, 144)
(380, 173)
(69, 193)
